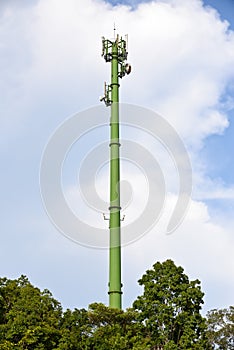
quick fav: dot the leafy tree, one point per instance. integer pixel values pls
(29, 318)
(165, 317)
(170, 308)
(74, 330)
(221, 328)
(32, 319)
(116, 329)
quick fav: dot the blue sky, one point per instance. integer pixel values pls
(225, 8)
(222, 158)
(182, 56)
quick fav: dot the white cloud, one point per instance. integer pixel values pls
(180, 68)
(204, 249)
(182, 59)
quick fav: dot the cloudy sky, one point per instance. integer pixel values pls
(182, 54)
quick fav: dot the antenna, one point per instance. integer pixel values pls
(126, 40)
(116, 53)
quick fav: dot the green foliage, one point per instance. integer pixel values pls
(170, 308)
(33, 320)
(74, 330)
(165, 317)
(29, 318)
(221, 328)
(115, 329)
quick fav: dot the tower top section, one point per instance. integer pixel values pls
(117, 49)
(116, 52)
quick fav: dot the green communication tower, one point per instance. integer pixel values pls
(115, 52)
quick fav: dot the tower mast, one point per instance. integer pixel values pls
(115, 52)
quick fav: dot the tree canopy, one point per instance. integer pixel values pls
(166, 316)
(170, 308)
(221, 328)
(29, 318)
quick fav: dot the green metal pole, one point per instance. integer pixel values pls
(116, 53)
(115, 293)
